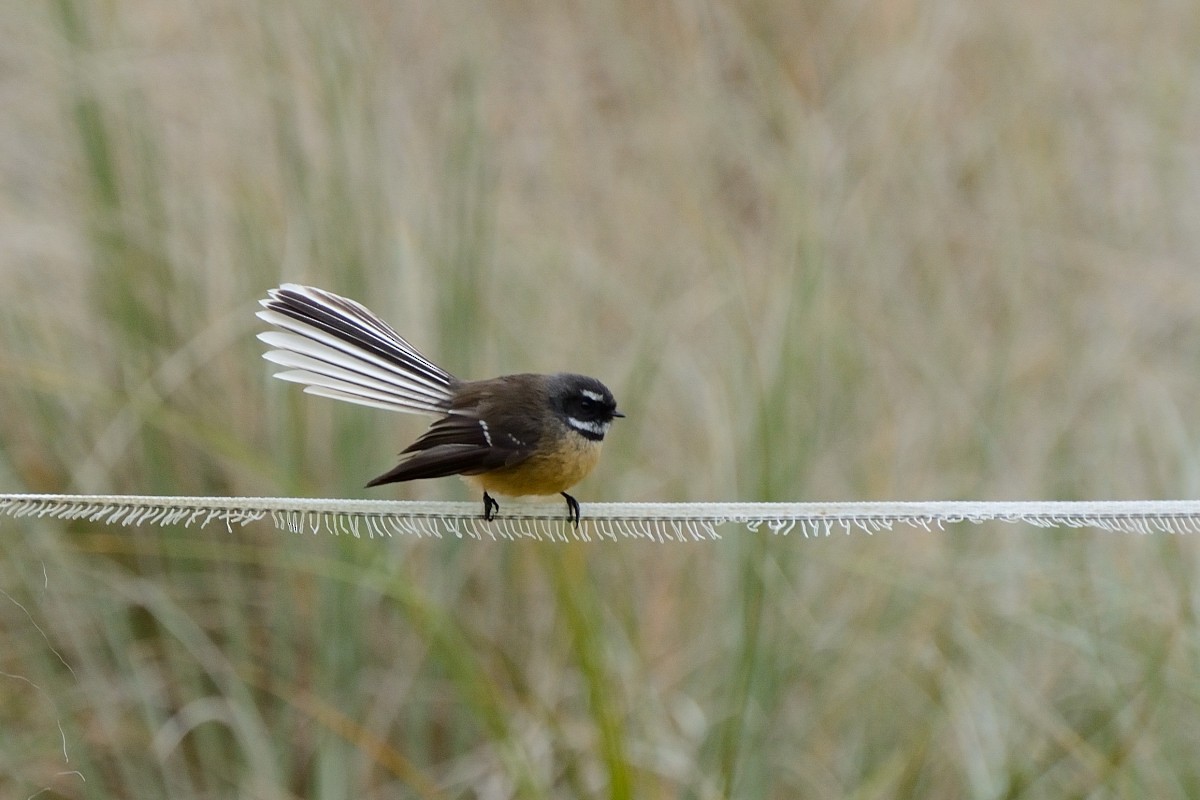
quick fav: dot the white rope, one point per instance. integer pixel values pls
(661, 522)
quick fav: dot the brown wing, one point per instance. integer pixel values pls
(479, 435)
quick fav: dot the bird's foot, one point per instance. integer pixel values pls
(572, 509)
(490, 507)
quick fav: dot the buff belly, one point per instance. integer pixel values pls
(543, 473)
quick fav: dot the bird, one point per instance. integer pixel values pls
(514, 435)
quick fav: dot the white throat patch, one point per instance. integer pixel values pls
(588, 426)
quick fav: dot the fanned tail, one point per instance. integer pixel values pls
(338, 348)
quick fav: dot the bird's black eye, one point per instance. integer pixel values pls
(584, 407)
(582, 399)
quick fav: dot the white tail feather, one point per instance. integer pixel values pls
(339, 349)
(347, 364)
(357, 316)
(358, 399)
(302, 337)
(355, 390)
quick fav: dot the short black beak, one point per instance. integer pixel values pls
(617, 414)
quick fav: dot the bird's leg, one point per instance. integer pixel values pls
(572, 509)
(490, 507)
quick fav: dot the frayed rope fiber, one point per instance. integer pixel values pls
(660, 522)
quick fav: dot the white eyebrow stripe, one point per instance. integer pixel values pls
(590, 395)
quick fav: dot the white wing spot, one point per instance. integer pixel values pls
(487, 434)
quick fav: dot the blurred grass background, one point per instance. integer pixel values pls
(875, 250)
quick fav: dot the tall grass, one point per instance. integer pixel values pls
(875, 251)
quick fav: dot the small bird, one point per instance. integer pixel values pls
(514, 435)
